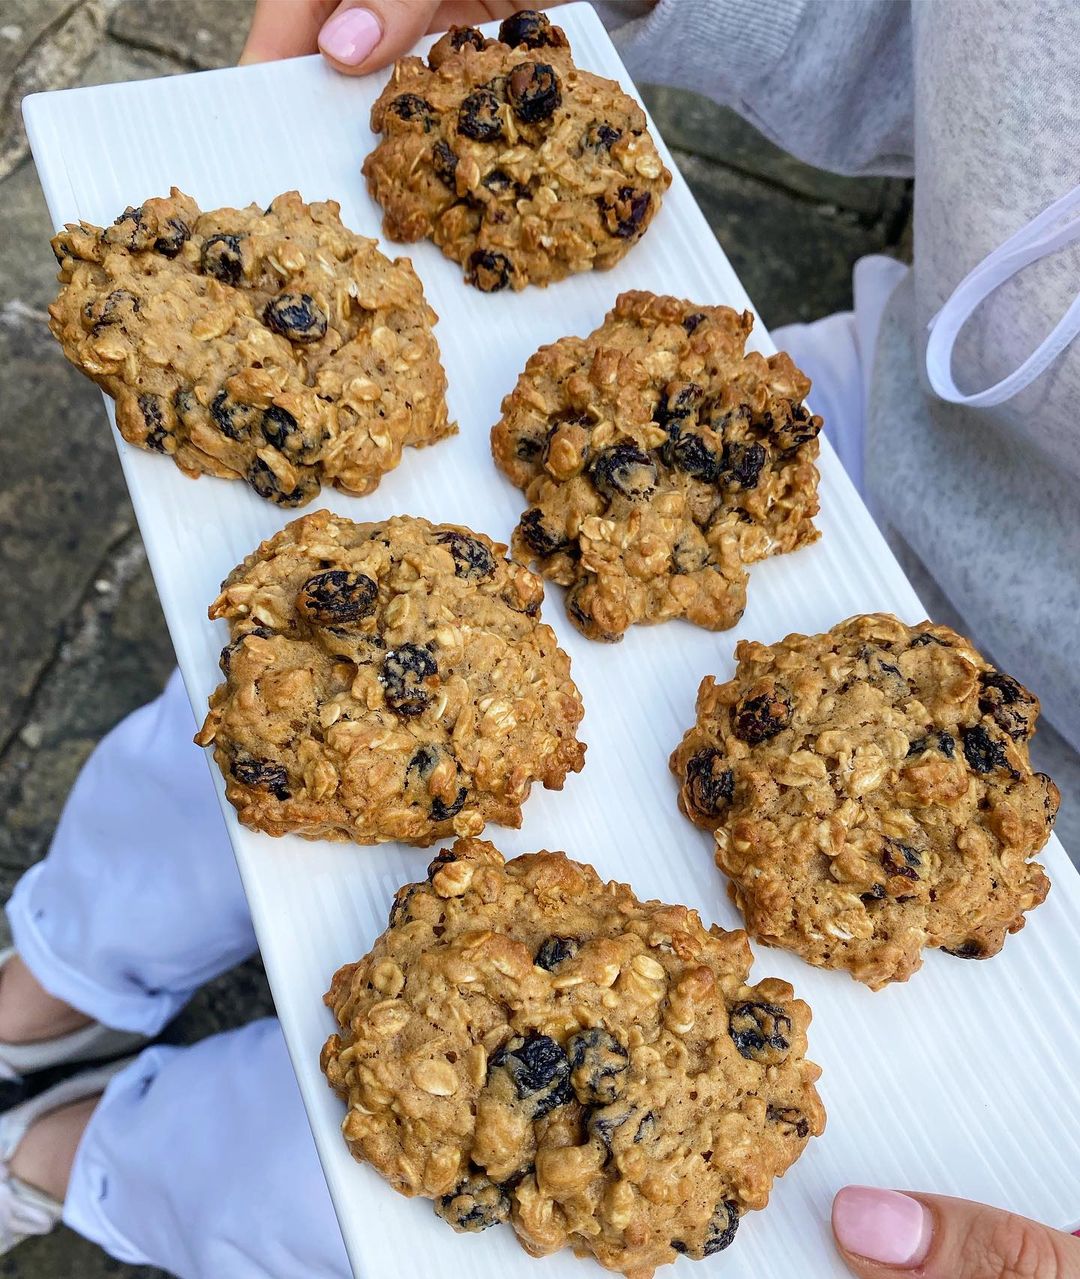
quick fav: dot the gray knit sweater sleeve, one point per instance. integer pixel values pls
(829, 80)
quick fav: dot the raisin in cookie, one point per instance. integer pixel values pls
(870, 794)
(387, 681)
(528, 1044)
(271, 346)
(518, 165)
(659, 458)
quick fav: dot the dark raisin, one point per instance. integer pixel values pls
(225, 658)
(720, 1233)
(442, 812)
(691, 455)
(336, 597)
(539, 1069)
(474, 1205)
(969, 949)
(221, 258)
(758, 718)
(234, 419)
(150, 408)
(423, 762)
(790, 424)
(114, 308)
(453, 41)
(176, 234)
(604, 1121)
(901, 859)
(444, 163)
(623, 470)
(498, 182)
(598, 1065)
(265, 482)
(533, 92)
(527, 448)
(1009, 703)
(761, 1032)
(261, 774)
(296, 316)
(281, 430)
(461, 36)
(646, 1126)
(444, 857)
(489, 271)
(679, 400)
(876, 894)
(691, 322)
(399, 907)
(540, 537)
(710, 784)
(942, 741)
(982, 752)
(793, 1121)
(406, 675)
(531, 28)
(600, 136)
(414, 109)
(920, 641)
(480, 116)
(555, 951)
(624, 211)
(472, 559)
(744, 461)
(132, 236)
(583, 618)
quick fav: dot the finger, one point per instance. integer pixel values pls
(285, 29)
(883, 1234)
(358, 38)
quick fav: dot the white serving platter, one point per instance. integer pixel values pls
(961, 1081)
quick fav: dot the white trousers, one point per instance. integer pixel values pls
(199, 1160)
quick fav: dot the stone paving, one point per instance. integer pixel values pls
(86, 642)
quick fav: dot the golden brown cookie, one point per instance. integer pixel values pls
(871, 794)
(388, 681)
(271, 346)
(659, 458)
(517, 164)
(526, 1043)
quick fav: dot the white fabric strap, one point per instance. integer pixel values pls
(1054, 228)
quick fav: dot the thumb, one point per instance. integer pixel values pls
(886, 1235)
(358, 38)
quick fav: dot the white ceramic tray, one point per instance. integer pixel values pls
(960, 1081)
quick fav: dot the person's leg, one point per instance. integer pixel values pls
(837, 354)
(200, 1161)
(139, 900)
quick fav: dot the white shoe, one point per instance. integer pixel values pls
(91, 1043)
(25, 1210)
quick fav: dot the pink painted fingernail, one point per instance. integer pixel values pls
(882, 1225)
(350, 36)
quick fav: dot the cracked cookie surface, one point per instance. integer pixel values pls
(273, 346)
(519, 165)
(659, 458)
(528, 1044)
(870, 793)
(387, 681)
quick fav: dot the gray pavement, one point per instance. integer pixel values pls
(84, 640)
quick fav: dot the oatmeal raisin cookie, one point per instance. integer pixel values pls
(272, 346)
(659, 458)
(870, 793)
(388, 681)
(528, 1044)
(518, 165)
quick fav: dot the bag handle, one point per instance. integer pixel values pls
(1042, 236)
